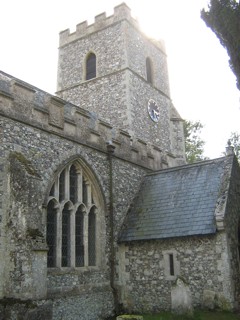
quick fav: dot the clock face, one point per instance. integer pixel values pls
(153, 110)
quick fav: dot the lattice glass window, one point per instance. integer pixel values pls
(72, 219)
(73, 184)
(79, 240)
(91, 66)
(51, 234)
(84, 192)
(62, 186)
(52, 191)
(66, 237)
(92, 237)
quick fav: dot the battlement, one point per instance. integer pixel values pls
(121, 12)
(27, 104)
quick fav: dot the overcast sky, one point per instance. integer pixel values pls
(201, 82)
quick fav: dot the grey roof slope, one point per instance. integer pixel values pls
(178, 202)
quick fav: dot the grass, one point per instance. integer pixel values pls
(197, 316)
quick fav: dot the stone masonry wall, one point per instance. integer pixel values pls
(118, 43)
(41, 133)
(139, 47)
(3, 197)
(231, 225)
(37, 150)
(147, 130)
(22, 102)
(146, 284)
(104, 97)
(108, 46)
(120, 92)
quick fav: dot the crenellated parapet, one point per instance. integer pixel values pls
(101, 21)
(27, 104)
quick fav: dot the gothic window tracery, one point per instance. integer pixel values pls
(72, 220)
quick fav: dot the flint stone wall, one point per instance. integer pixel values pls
(202, 262)
(36, 158)
(120, 92)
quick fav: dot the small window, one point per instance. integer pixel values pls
(91, 66)
(171, 264)
(149, 70)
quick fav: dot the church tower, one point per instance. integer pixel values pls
(113, 70)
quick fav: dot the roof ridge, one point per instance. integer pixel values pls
(191, 165)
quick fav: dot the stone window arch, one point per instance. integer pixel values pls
(90, 66)
(149, 70)
(74, 219)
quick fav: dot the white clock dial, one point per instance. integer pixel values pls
(153, 110)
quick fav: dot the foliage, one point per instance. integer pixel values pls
(223, 17)
(193, 143)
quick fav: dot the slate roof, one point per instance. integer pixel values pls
(178, 202)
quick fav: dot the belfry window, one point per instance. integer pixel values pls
(91, 66)
(72, 220)
(149, 70)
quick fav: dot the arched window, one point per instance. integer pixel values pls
(72, 219)
(91, 66)
(149, 70)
